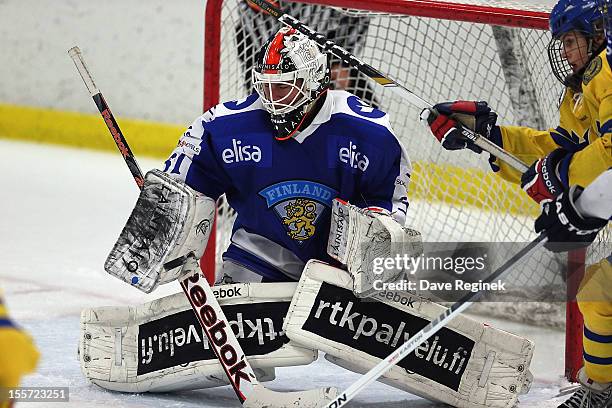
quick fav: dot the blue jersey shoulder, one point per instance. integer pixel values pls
(235, 117)
(363, 120)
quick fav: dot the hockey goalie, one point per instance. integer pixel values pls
(319, 184)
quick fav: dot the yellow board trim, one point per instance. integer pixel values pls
(3, 311)
(470, 187)
(85, 130)
(461, 186)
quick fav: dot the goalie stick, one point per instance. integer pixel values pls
(107, 115)
(215, 325)
(381, 79)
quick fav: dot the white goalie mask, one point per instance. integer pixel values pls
(290, 72)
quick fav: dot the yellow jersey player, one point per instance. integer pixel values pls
(569, 223)
(18, 355)
(574, 153)
(577, 150)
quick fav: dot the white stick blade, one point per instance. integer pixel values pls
(263, 397)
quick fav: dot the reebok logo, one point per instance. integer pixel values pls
(547, 181)
(216, 330)
(112, 126)
(397, 298)
(202, 227)
(222, 293)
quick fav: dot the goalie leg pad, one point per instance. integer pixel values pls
(360, 238)
(160, 346)
(466, 364)
(170, 221)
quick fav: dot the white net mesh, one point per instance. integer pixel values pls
(453, 196)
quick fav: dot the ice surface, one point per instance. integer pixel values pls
(61, 211)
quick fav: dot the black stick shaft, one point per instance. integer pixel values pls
(119, 139)
(107, 115)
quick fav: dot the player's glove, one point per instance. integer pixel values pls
(448, 121)
(542, 181)
(565, 227)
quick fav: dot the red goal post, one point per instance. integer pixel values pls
(493, 51)
(536, 17)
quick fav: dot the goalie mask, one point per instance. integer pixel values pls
(577, 34)
(289, 74)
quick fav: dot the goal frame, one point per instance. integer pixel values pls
(472, 13)
(432, 9)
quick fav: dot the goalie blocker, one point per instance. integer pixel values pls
(466, 364)
(160, 346)
(169, 222)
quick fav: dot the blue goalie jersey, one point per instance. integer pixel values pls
(282, 190)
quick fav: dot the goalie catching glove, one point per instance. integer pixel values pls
(448, 122)
(359, 238)
(169, 222)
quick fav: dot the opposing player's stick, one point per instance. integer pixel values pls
(382, 79)
(250, 392)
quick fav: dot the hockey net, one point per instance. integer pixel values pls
(493, 51)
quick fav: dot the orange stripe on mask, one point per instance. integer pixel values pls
(273, 55)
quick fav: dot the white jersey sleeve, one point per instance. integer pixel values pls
(596, 199)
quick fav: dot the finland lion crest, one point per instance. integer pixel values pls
(299, 205)
(300, 216)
